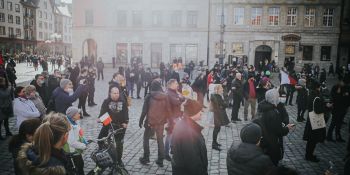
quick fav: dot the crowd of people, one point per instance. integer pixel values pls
(49, 127)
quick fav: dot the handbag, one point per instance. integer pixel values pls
(317, 120)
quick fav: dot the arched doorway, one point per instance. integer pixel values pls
(262, 53)
(90, 49)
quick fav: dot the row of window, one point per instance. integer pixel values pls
(46, 15)
(10, 31)
(10, 6)
(46, 25)
(325, 53)
(157, 18)
(10, 18)
(274, 18)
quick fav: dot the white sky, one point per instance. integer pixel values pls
(68, 1)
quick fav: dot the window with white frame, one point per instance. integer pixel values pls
(45, 4)
(137, 18)
(192, 17)
(17, 8)
(40, 35)
(2, 17)
(292, 16)
(10, 18)
(157, 18)
(328, 17)
(9, 6)
(40, 25)
(45, 14)
(121, 18)
(18, 32)
(50, 26)
(2, 30)
(18, 20)
(45, 25)
(274, 14)
(256, 16)
(40, 14)
(11, 33)
(238, 16)
(219, 15)
(310, 15)
(176, 18)
(2, 4)
(89, 17)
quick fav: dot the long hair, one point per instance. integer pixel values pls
(27, 127)
(50, 132)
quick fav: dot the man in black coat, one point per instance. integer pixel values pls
(188, 144)
(53, 82)
(237, 94)
(100, 66)
(40, 86)
(248, 158)
(147, 78)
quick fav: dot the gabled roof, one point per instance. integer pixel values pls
(63, 10)
(31, 3)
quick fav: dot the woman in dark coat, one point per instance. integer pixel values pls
(6, 109)
(301, 99)
(318, 135)
(220, 116)
(271, 125)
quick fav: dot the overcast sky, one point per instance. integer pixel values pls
(69, 1)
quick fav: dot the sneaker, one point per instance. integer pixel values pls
(159, 163)
(168, 158)
(144, 161)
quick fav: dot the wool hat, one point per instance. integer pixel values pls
(264, 81)
(192, 107)
(272, 96)
(71, 111)
(251, 133)
(64, 82)
(156, 86)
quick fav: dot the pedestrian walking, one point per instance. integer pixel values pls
(220, 116)
(53, 63)
(116, 107)
(139, 80)
(301, 99)
(188, 144)
(248, 158)
(100, 66)
(6, 108)
(331, 70)
(249, 92)
(155, 112)
(45, 154)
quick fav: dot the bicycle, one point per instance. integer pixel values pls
(105, 156)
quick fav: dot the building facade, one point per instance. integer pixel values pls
(63, 27)
(45, 20)
(306, 31)
(11, 26)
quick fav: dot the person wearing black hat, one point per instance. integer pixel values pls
(248, 158)
(316, 104)
(188, 144)
(156, 109)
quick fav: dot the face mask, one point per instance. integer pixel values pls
(42, 82)
(70, 91)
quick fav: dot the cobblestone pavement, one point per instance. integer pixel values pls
(294, 145)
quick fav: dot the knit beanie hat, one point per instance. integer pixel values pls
(192, 107)
(272, 96)
(64, 82)
(156, 86)
(264, 81)
(251, 133)
(71, 111)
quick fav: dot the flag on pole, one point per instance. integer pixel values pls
(287, 79)
(106, 119)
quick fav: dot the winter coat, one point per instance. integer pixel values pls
(237, 89)
(42, 90)
(260, 94)
(24, 109)
(118, 110)
(28, 162)
(219, 110)
(272, 130)
(246, 89)
(247, 159)
(302, 97)
(100, 65)
(156, 107)
(6, 109)
(189, 150)
(53, 83)
(317, 135)
(62, 99)
(39, 104)
(199, 85)
(175, 103)
(75, 142)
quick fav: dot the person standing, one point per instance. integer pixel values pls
(74, 76)
(156, 110)
(117, 108)
(53, 62)
(220, 115)
(331, 70)
(249, 92)
(6, 109)
(316, 104)
(301, 99)
(40, 87)
(91, 85)
(139, 80)
(248, 158)
(290, 89)
(236, 90)
(100, 66)
(84, 94)
(11, 74)
(339, 97)
(147, 80)
(188, 144)
(199, 86)
(113, 62)
(53, 82)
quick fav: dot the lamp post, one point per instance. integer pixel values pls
(222, 31)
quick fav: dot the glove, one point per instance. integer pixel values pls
(140, 124)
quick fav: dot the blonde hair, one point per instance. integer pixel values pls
(216, 88)
(29, 89)
(49, 133)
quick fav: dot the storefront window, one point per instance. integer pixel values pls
(122, 54)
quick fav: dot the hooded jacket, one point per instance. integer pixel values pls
(28, 162)
(156, 107)
(247, 159)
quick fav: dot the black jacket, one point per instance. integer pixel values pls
(317, 135)
(246, 89)
(247, 159)
(219, 109)
(272, 129)
(6, 109)
(42, 90)
(189, 150)
(237, 89)
(156, 108)
(302, 97)
(118, 110)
